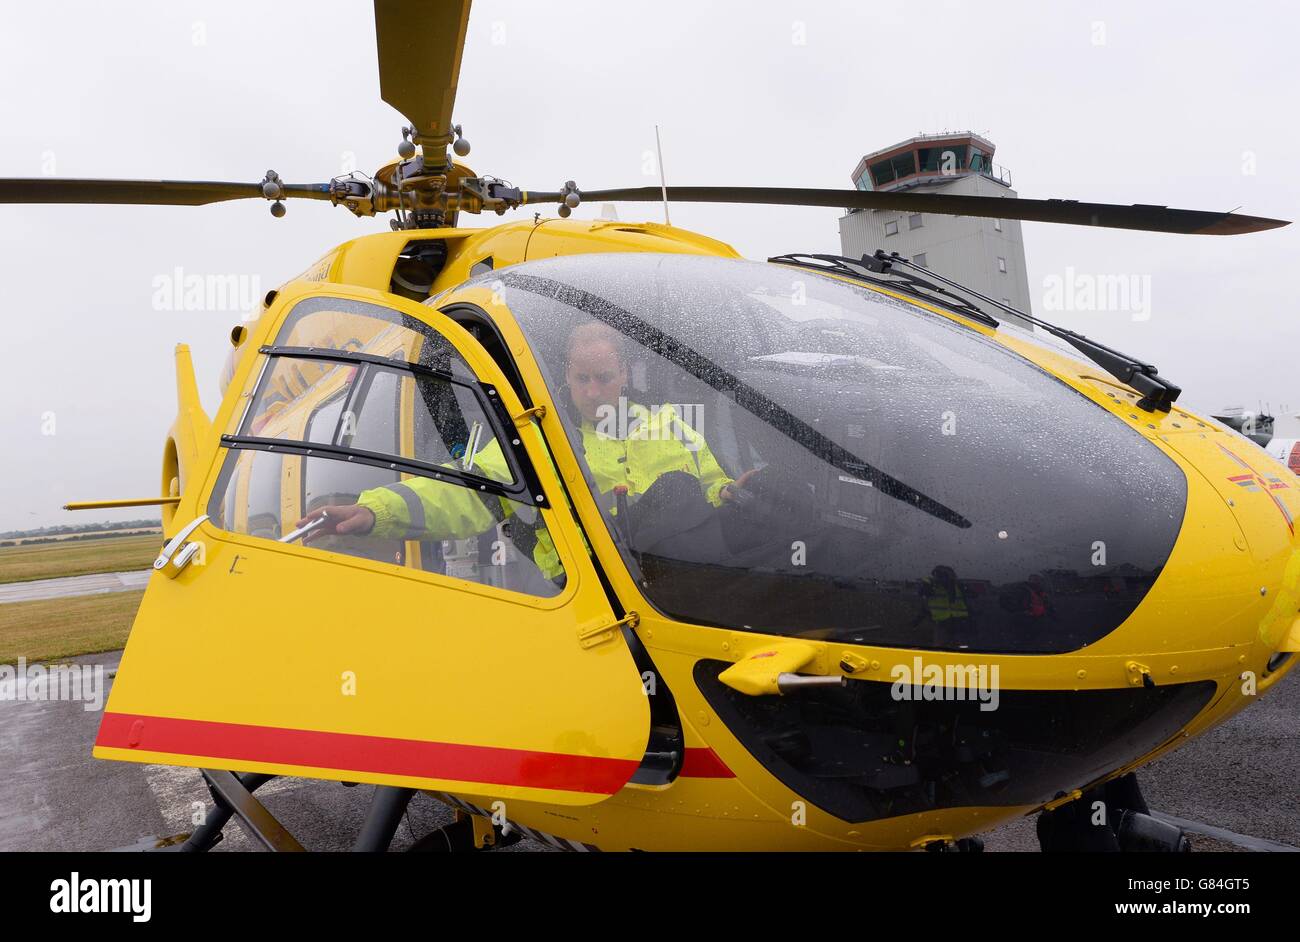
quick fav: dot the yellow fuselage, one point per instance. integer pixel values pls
(267, 636)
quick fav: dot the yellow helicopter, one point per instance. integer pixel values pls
(605, 536)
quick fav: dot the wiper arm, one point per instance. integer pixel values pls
(1156, 391)
(867, 270)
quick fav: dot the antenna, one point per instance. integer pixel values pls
(663, 184)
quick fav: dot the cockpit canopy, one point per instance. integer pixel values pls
(918, 484)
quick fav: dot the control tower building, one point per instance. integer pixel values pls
(987, 255)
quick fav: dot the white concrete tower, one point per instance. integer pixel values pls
(985, 254)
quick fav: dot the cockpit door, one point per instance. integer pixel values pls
(463, 644)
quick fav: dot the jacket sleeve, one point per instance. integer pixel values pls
(712, 478)
(424, 509)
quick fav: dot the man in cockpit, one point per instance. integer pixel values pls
(629, 448)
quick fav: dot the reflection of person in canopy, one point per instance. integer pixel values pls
(944, 597)
(628, 448)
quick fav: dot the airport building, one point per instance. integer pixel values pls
(987, 255)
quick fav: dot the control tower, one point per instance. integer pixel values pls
(985, 254)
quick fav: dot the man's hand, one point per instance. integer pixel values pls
(728, 490)
(342, 519)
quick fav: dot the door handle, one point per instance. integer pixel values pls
(304, 530)
(173, 557)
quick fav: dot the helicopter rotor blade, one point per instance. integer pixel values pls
(147, 192)
(420, 44)
(1070, 212)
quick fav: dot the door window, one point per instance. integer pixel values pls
(394, 452)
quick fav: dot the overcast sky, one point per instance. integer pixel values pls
(1188, 105)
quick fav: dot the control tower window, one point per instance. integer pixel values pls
(948, 159)
(893, 168)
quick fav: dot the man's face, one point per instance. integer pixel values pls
(595, 377)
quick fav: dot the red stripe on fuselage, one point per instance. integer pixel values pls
(350, 752)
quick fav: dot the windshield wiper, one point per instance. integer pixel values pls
(1158, 393)
(694, 363)
(865, 270)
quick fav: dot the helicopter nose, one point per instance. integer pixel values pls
(1239, 546)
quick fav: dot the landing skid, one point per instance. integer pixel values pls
(232, 796)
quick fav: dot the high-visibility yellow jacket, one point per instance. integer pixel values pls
(945, 607)
(655, 443)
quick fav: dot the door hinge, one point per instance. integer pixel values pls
(604, 631)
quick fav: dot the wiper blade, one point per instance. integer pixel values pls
(867, 270)
(1158, 393)
(754, 401)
